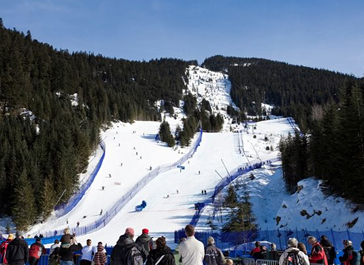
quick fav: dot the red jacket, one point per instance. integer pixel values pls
(36, 250)
(318, 254)
(3, 247)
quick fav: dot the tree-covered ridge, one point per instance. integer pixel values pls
(292, 90)
(334, 151)
(41, 157)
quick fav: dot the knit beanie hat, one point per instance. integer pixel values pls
(129, 231)
(10, 236)
(145, 231)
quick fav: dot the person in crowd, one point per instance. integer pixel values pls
(256, 249)
(53, 257)
(177, 256)
(191, 250)
(261, 254)
(145, 242)
(55, 245)
(66, 251)
(272, 254)
(66, 238)
(362, 253)
(36, 250)
(17, 252)
(317, 252)
(124, 246)
(162, 255)
(350, 256)
(87, 252)
(302, 247)
(100, 256)
(213, 255)
(292, 253)
(329, 249)
(4, 246)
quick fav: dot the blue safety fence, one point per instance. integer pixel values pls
(76, 198)
(243, 242)
(235, 173)
(112, 212)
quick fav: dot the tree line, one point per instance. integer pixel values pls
(291, 89)
(334, 149)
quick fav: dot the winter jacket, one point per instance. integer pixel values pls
(156, 255)
(348, 255)
(53, 247)
(118, 253)
(191, 251)
(144, 241)
(318, 254)
(100, 256)
(66, 253)
(302, 256)
(329, 249)
(36, 250)
(213, 256)
(254, 250)
(3, 247)
(17, 252)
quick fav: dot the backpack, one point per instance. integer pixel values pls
(352, 259)
(293, 258)
(133, 256)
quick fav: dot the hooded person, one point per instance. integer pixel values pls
(145, 242)
(213, 255)
(126, 250)
(66, 251)
(161, 255)
(17, 252)
(292, 252)
(4, 246)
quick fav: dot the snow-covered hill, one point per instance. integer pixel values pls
(131, 151)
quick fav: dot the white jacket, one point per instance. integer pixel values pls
(191, 251)
(302, 255)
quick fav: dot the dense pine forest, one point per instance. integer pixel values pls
(334, 151)
(292, 90)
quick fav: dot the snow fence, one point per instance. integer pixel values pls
(112, 212)
(225, 182)
(76, 198)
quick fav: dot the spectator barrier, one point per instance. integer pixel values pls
(76, 198)
(111, 213)
(243, 242)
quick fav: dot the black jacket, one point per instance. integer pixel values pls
(118, 253)
(66, 253)
(17, 252)
(156, 254)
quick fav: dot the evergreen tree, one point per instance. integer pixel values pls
(23, 209)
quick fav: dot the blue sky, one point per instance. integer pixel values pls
(325, 34)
